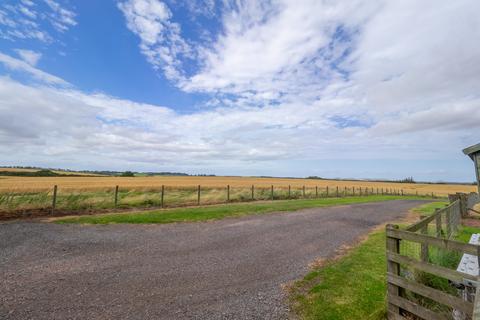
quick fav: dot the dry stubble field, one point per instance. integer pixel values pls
(32, 184)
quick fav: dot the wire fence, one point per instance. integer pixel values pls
(58, 201)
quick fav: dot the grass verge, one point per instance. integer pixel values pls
(221, 211)
(429, 208)
(353, 286)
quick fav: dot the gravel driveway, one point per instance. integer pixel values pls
(228, 269)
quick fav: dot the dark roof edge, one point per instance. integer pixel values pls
(472, 149)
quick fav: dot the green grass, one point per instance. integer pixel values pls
(465, 233)
(222, 211)
(429, 208)
(351, 288)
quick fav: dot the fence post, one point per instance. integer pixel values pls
(360, 191)
(116, 196)
(228, 193)
(272, 191)
(337, 192)
(327, 191)
(345, 191)
(393, 245)
(449, 223)
(54, 199)
(289, 192)
(162, 196)
(424, 246)
(438, 223)
(303, 191)
(198, 199)
(353, 191)
(316, 191)
(253, 192)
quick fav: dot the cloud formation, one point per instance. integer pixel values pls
(21, 20)
(160, 38)
(29, 56)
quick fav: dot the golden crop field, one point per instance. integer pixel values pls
(26, 184)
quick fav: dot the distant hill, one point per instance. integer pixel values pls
(56, 172)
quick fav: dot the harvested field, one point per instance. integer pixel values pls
(31, 184)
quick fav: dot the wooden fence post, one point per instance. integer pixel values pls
(353, 191)
(228, 193)
(162, 196)
(438, 223)
(327, 191)
(345, 191)
(360, 191)
(54, 199)
(337, 192)
(272, 191)
(316, 191)
(198, 199)
(424, 246)
(449, 223)
(253, 192)
(303, 191)
(393, 245)
(116, 196)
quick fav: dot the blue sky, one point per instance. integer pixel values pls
(353, 89)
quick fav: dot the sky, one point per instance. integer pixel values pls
(379, 89)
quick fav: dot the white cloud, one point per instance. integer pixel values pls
(29, 56)
(61, 19)
(22, 66)
(25, 20)
(161, 41)
(67, 127)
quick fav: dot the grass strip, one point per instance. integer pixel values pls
(352, 287)
(429, 208)
(215, 212)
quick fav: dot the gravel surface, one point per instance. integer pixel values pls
(228, 269)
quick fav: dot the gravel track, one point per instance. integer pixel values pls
(228, 269)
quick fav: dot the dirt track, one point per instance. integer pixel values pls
(228, 269)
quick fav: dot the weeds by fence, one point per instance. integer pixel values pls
(57, 200)
(422, 260)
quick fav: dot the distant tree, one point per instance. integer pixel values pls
(128, 174)
(407, 180)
